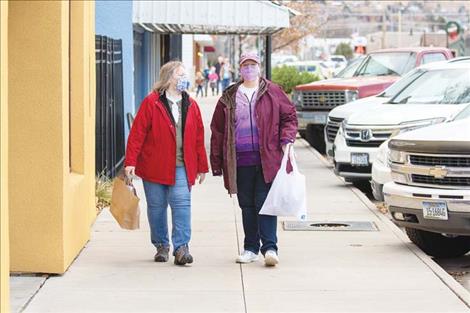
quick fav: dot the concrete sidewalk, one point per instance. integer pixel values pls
(320, 271)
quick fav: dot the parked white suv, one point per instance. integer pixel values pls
(342, 112)
(430, 192)
(435, 96)
(381, 172)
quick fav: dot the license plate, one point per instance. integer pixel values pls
(315, 118)
(319, 119)
(360, 159)
(435, 210)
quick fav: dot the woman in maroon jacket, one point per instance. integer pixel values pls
(166, 149)
(252, 124)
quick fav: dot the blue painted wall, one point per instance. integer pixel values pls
(114, 19)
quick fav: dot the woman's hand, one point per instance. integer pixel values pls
(201, 177)
(130, 171)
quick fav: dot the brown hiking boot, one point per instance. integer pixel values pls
(182, 256)
(162, 254)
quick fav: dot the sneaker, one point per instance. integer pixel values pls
(182, 256)
(162, 254)
(271, 258)
(247, 257)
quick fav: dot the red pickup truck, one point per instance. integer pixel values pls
(366, 77)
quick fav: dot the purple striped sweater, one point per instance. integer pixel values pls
(246, 130)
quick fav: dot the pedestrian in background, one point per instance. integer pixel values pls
(252, 124)
(167, 164)
(213, 79)
(199, 84)
(206, 79)
(218, 69)
(226, 74)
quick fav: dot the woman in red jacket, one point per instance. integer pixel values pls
(166, 149)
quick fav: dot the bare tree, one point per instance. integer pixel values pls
(311, 19)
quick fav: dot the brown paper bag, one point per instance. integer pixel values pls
(125, 204)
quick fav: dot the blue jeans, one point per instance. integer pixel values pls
(225, 83)
(252, 192)
(179, 197)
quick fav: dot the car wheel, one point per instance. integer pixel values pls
(315, 137)
(438, 245)
(377, 190)
(362, 185)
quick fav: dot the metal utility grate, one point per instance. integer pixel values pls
(330, 226)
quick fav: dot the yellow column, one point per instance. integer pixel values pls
(79, 178)
(4, 241)
(51, 132)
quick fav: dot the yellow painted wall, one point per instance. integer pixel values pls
(4, 242)
(79, 179)
(51, 203)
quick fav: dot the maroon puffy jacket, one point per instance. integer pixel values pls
(276, 120)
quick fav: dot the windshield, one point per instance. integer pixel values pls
(449, 86)
(465, 113)
(396, 87)
(349, 70)
(393, 63)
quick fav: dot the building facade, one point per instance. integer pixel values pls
(4, 238)
(47, 128)
(114, 20)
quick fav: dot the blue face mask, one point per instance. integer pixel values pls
(182, 84)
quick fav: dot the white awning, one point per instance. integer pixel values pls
(211, 17)
(203, 39)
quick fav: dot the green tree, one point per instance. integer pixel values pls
(344, 49)
(288, 77)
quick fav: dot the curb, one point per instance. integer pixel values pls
(446, 278)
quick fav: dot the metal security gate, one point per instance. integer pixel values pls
(109, 106)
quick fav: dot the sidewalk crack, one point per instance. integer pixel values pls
(238, 248)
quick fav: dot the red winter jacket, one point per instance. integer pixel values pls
(151, 146)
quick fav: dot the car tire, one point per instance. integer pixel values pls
(438, 245)
(362, 185)
(315, 137)
(377, 191)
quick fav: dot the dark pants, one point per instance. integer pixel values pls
(199, 89)
(225, 83)
(252, 192)
(218, 85)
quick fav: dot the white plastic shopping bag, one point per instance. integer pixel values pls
(287, 196)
